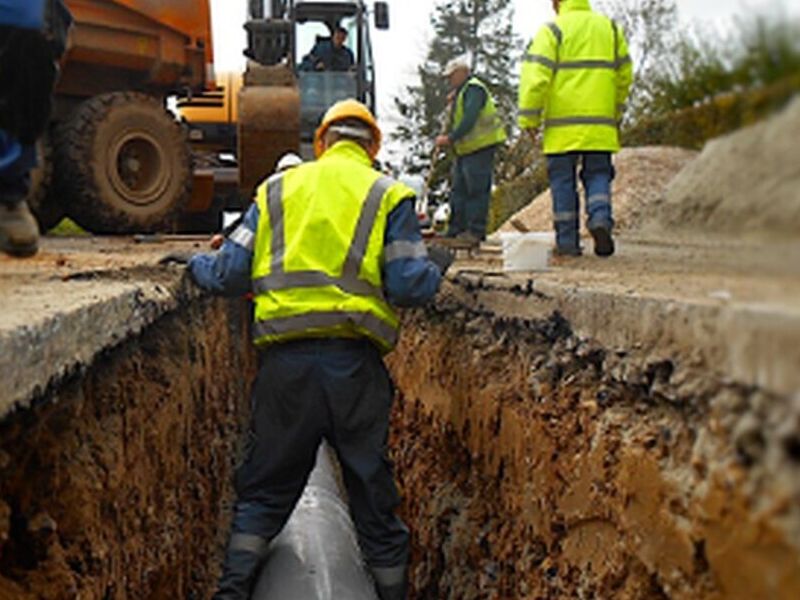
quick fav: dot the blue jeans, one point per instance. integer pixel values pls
(470, 192)
(597, 173)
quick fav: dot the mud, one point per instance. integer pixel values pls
(541, 465)
(115, 484)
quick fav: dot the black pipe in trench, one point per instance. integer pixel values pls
(316, 556)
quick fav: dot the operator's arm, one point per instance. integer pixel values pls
(538, 67)
(228, 272)
(409, 277)
(474, 101)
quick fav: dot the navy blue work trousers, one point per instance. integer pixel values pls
(596, 174)
(307, 390)
(15, 176)
(470, 192)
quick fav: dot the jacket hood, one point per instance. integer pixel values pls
(570, 5)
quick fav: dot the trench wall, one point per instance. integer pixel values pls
(114, 484)
(535, 463)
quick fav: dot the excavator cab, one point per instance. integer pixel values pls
(284, 32)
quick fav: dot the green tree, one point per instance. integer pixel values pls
(652, 31)
(481, 30)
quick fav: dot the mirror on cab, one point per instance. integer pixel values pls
(381, 15)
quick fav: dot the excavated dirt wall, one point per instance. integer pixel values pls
(535, 464)
(112, 486)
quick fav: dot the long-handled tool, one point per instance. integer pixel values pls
(436, 154)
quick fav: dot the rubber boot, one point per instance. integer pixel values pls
(242, 563)
(391, 583)
(19, 233)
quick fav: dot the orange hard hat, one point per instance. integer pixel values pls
(348, 109)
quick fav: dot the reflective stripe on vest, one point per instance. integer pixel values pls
(282, 326)
(488, 129)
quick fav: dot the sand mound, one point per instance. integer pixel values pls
(745, 183)
(642, 175)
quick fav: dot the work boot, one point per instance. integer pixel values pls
(603, 242)
(243, 560)
(391, 583)
(19, 233)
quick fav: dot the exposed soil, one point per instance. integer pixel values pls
(535, 464)
(115, 484)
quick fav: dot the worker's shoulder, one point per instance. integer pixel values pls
(399, 190)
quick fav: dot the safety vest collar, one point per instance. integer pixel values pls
(347, 149)
(349, 280)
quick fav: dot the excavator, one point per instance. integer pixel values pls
(116, 160)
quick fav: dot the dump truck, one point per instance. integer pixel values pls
(117, 161)
(114, 159)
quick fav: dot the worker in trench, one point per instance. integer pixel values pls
(329, 249)
(33, 35)
(476, 131)
(574, 82)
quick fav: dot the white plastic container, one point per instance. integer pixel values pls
(526, 251)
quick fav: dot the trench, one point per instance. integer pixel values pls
(533, 463)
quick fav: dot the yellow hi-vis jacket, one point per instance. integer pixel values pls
(575, 79)
(488, 129)
(319, 250)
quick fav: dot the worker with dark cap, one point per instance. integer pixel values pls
(329, 249)
(475, 132)
(32, 37)
(329, 54)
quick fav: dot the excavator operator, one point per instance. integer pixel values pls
(329, 54)
(33, 35)
(329, 249)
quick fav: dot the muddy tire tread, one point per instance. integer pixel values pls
(73, 145)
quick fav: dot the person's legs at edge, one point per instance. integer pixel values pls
(563, 187)
(458, 199)
(19, 232)
(478, 169)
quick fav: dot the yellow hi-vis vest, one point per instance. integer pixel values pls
(575, 78)
(488, 129)
(319, 250)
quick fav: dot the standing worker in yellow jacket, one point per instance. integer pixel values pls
(575, 80)
(329, 249)
(474, 135)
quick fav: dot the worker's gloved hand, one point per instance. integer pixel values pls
(180, 257)
(441, 257)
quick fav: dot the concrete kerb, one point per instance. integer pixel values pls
(750, 344)
(103, 313)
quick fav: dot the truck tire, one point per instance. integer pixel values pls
(123, 163)
(46, 205)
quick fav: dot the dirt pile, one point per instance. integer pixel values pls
(536, 464)
(744, 183)
(114, 485)
(641, 176)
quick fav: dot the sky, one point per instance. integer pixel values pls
(403, 46)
